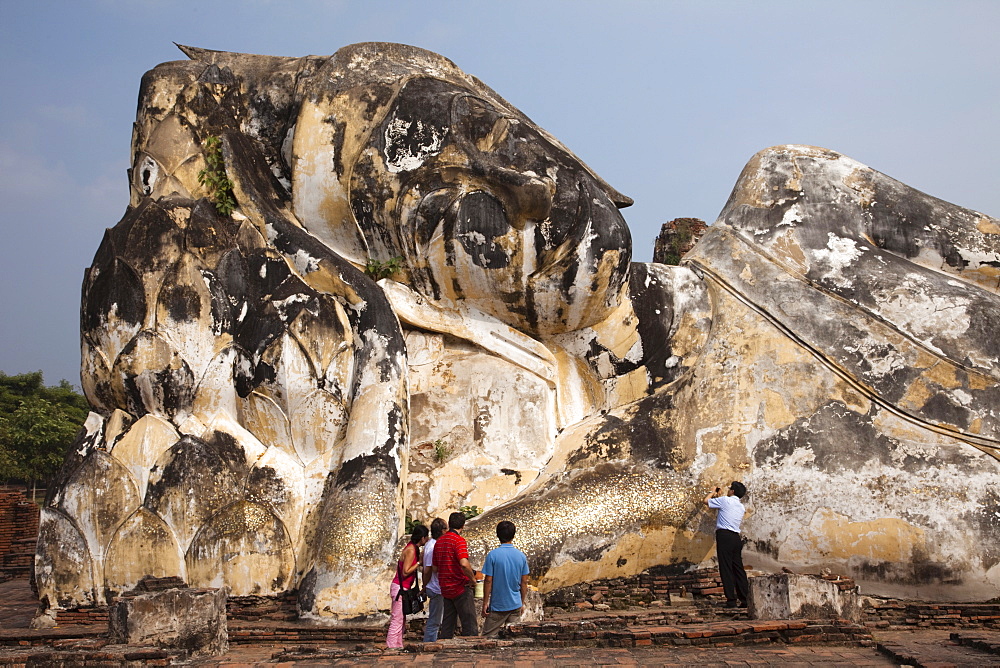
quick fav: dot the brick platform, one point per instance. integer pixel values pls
(927, 648)
(700, 634)
(636, 593)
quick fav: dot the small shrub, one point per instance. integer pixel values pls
(214, 179)
(377, 270)
(442, 450)
(470, 511)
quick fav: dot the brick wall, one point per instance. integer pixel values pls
(18, 533)
(650, 588)
(260, 608)
(893, 614)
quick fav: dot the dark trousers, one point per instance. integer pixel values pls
(729, 549)
(463, 610)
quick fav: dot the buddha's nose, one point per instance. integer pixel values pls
(619, 200)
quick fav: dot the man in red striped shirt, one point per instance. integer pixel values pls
(457, 581)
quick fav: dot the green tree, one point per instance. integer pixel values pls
(38, 424)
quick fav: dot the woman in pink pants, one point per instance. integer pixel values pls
(407, 565)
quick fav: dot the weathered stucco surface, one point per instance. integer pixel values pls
(190, 619)
(265, 413)
(868, 379)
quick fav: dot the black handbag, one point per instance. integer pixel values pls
(413, 600)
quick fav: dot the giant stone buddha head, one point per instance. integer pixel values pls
(413, 158)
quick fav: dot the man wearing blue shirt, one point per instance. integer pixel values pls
(729, 544)
(506, 584)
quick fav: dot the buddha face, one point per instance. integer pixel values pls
(487, 209)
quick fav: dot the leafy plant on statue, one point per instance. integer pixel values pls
(214, 178)
(441, 450)
(377, 270)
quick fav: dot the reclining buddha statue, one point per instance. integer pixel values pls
(352, 288)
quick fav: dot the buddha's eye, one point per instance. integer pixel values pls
(481, 124)
(497, 136)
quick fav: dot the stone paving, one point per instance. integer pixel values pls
(86, 645)
(939, 647)
(578, 656)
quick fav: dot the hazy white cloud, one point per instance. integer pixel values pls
(31, 178)
(27, 175)
(75, 115)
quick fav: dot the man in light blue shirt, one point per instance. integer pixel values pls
(729, 544)
(506, 584)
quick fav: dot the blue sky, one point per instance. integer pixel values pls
(666, 100)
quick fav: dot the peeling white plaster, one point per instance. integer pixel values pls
(94, 426)
(396, 133)
(962, 397)
(977, 258)
(475, 237)
(800, 457)
(703, 460)
(882, 359)
(840, 252)
(792, 215)
(282, 305)
(635, 352)
(304, 262)
(925, 315)
(272, 233)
